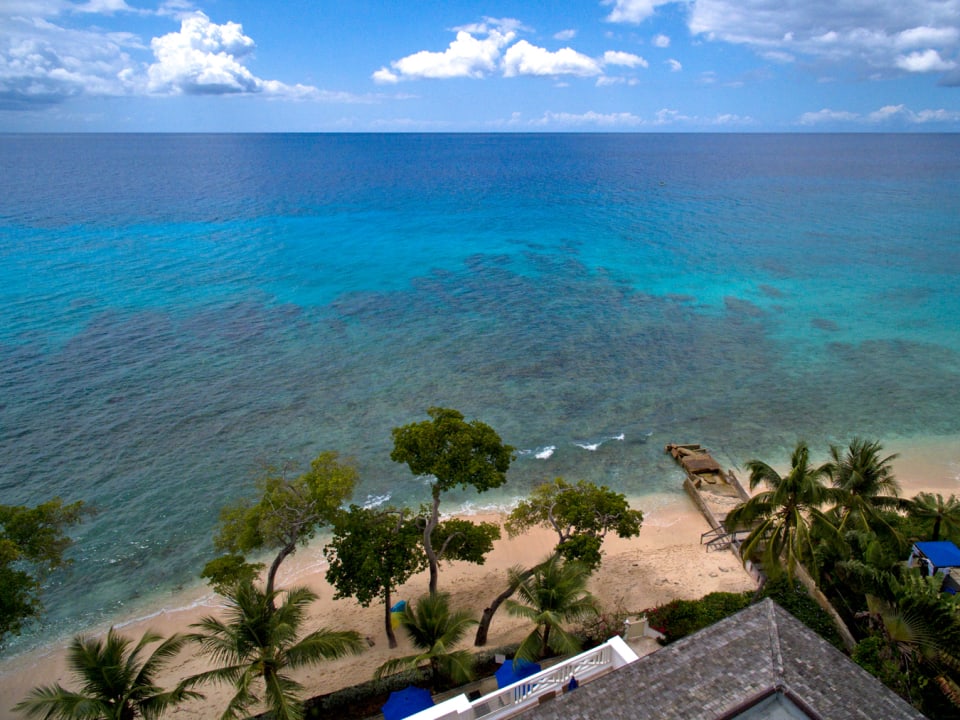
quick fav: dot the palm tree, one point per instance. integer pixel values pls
(865, 481)
(258, 641)
(556, 593)
(115, 683)
(945, 513)
(434, 630)
(780, 518)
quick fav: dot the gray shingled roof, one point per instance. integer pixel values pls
(729, 666)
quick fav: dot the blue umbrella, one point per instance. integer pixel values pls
(511, 672)
(406, 702)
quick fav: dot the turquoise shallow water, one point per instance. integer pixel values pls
(177, 309)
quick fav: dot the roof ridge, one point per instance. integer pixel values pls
(776, 652)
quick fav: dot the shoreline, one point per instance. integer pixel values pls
(665, 562)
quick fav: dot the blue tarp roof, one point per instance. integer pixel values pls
(509, 673)
(406, 702)
(942, 553)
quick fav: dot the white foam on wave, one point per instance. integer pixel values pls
(540, 453)
(594, 446)
(374, 501)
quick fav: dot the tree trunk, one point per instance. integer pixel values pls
(274, 567)
(431, 525)
(483, 628)
(388, 619)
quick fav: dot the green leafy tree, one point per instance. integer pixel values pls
(921, 629)
(435, 629)
(33, 541)
(371, 553)
(452, 453)
(286, 514)
(945, 513)
(554, 595)
(259, 641)
(116, 682)
(865, 482)
(780, 518)
(581, 515)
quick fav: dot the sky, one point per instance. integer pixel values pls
(480, 66)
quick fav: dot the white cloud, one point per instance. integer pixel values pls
(613, 57)
(522, 58)
(826, 115)
(875, 34)
(889, 114)
(925, 61)
(590, 118)
(674, 65)
(42, 63)
(565, 35)
(633, 11)
(204, 58)
(661, 41)
(467, 56)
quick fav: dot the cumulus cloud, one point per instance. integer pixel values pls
(612, 57)
(607, 120)
(205, 58)
(924, 61)
(889, 114)
(674, 65)
(42, 63)
(470, 55)
(661, 41)
(565, 35)
(522, 58)
(885, 36)
(633, 11)
(47, 57)
(467, 56)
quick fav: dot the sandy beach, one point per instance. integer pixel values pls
(665, 562)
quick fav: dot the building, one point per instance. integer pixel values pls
(938, 557)
(759, 664)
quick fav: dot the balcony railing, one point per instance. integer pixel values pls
(513, 699)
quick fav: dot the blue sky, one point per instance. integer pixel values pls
(490, 66)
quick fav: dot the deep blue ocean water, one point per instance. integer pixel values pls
(177, 309)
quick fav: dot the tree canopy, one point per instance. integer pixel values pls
(372, 552)
(33, 541)
(454, 453)
(286, 514)
(116, 681)
(581, 514)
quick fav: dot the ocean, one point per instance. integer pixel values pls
(179, 310)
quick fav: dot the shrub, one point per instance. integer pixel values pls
(680, 618)
(793, 598)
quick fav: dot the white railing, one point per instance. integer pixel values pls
(510, 700)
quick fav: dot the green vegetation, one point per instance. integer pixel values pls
(286, 514)
(259, 641)
(680, 618)
(852, 536)
(371, 553)
(581, 515)
(115, 682)
(33, 541)
(452, 453)
(553, 595)
(434, 628)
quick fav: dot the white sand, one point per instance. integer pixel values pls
(665, 562)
